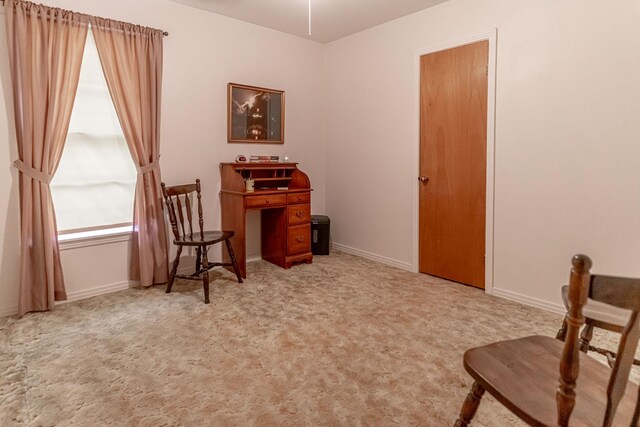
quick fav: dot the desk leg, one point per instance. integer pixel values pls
(234, 219)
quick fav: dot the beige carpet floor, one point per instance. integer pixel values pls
(344, 341)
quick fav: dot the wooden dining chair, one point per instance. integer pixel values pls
(179, 200)
(545, 381)
(601, 311)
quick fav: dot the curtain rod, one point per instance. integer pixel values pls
(164, 33)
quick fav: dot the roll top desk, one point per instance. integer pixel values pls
(282, 193)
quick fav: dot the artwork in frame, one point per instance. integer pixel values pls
(255, 114)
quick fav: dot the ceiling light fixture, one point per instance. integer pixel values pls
(309, 17)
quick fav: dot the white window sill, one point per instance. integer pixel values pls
(84, 239)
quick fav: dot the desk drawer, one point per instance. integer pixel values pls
(265, 201)
(299, 214)
(298, 239)
(299, 198)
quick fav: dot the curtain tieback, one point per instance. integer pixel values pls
(148, 168)
(32, 173)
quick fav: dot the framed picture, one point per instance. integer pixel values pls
(255, 114)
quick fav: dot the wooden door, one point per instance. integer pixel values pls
(453, 134)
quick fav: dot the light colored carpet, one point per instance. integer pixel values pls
(344, 341)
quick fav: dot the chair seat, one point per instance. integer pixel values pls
(523, 375)
(204, 239)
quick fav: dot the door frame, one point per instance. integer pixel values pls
(491, 37)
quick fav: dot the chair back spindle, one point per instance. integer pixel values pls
(187, 204)
(179, 206)
(171, 211)
(570, 360)
(200, 221)
(180, 214)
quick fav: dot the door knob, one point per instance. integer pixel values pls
(423, 179)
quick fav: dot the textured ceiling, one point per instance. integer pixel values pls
(330, 19)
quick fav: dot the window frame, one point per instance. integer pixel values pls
(93, 236)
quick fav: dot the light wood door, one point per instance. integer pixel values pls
(453, 130)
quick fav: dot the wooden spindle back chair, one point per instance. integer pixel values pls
(523, 373)
(179, 200)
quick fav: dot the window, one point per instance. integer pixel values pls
(94, 185)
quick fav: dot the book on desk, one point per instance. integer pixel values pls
(283, 196)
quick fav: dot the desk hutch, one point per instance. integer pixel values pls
(283, 195)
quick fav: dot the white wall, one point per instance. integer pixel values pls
(567, 148)
(202, 54)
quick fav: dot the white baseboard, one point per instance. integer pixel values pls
(530, 301)
(374, 257)
(99, 290)
(501, 293)
(78, 295)
(8, 311)
(252, 258)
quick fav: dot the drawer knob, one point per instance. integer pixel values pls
(300, 239)
(266, 200)
(299, 214)
(299, 198)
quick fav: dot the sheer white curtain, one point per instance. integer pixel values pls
(95, 182)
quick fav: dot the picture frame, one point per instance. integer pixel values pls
(254, 114)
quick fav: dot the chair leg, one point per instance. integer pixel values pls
(198, 260)
(562, 332)
(234, 261)
(205, 277)
(585, 338)
(174, 269)
(470, 405)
